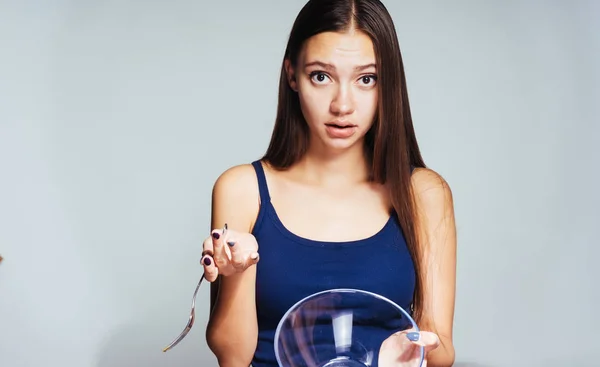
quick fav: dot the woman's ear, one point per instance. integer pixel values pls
(291, 75)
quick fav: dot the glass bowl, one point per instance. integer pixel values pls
(346, 328)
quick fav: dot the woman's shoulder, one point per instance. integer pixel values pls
(235, 195)
(239, 181)
(427, 177)
(431, 189)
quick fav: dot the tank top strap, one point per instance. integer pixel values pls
(263, 189)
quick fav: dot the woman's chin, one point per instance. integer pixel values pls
(338, 146)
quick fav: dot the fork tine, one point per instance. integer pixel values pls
(181, 336)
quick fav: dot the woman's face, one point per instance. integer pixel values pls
(336, 80)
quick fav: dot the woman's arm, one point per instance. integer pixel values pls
(436, 235)
(232, 330)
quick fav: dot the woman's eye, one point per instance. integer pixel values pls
(318, 77)
(368, 79)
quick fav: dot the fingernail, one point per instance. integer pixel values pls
(207, 261)
(231, 243)
(413, 336)
(216, 235)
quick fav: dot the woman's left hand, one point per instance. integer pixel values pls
(403, 349)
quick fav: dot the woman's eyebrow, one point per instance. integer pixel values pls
(327, 66)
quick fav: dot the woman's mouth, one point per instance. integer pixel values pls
(340, 130)
(339, 125)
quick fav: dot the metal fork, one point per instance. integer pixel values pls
(192, 318)
(190, 323)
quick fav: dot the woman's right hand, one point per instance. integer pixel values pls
(226, 252)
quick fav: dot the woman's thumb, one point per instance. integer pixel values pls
(425, 339)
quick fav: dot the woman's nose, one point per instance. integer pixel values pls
(342, 103)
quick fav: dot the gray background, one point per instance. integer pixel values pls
(116, 117)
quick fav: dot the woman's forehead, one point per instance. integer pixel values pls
(339, 48)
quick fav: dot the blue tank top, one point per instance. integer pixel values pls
(292, 267)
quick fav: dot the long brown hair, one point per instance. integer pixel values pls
(390, 145)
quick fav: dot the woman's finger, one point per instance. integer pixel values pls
(206, 260)
(237, 256)
(240, 258)
(251, 259)
(397, 350)
(211, 272)
(207, 247)
(254, 258)
(219, 255)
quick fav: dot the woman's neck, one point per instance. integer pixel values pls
(333, 169)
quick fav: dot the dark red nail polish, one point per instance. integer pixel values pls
(207, 261)
(216, 235)
(231, 243)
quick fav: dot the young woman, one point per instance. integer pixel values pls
(341, 198)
